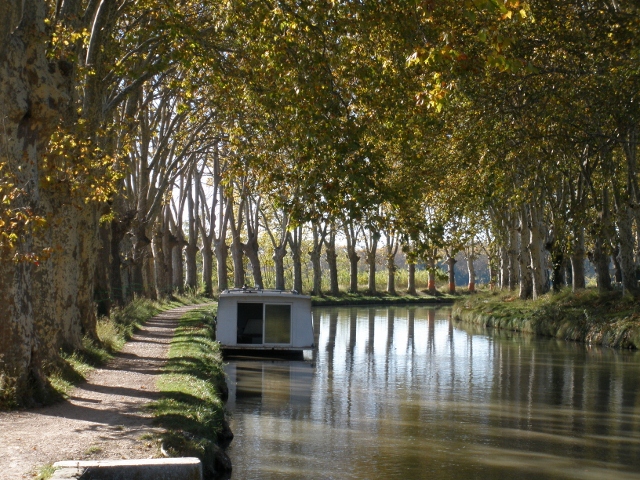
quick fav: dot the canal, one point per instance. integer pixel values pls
(404, 392)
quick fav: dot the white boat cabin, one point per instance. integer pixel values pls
(257, 319)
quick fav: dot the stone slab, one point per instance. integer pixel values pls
(185, 468)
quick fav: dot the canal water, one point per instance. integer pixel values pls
(404, 392)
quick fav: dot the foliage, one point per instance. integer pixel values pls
(192, 386)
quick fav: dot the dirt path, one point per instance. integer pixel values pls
(103, 417)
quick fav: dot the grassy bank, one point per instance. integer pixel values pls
(382, 298)
(194, 389)
(72, 367)
(609, 319)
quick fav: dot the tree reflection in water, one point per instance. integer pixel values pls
(404, 392)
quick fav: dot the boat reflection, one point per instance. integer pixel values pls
(270, 385)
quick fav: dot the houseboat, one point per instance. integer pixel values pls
(259, 321)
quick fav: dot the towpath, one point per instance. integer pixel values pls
(103, 418)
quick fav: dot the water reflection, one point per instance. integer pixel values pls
(403, 393)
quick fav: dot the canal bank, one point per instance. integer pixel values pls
(608, 319)
(366, 299)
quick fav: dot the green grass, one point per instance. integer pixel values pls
(92, 450)
(45, 472)
(365, 298)
(72, 367)
(192, 386)
(599, 318)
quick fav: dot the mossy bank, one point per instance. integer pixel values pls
(608, 319)
(382, 298)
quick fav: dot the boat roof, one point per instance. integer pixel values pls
(261, 292)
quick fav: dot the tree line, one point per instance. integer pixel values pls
(140, 135)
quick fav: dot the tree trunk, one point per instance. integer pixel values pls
(601, 242)
(296, 255)
(159, 270)
(168, 244)
(119, 228)
(30, 91)
(391, 268)
(431, 263)
(295, 243)
(568, 273)
(601, 264)
(504, 267)
(624, 221)
(493, 274)
(627, 207)
(192, 245)
(102, 294)
(332, 261)
(371, 261)
(472, 272)
(411, 279)
(536, 250)
(279, 254)
(513, 267)
(18, 342)
(352, 254)
(178, 268)
(526, 282)
(577, 262)
(207, 266)
(237, 254)
(451, 261)
(141, 253)
(222, 254)
(314, 255)
(617, 271)
(251, 251)
(73, 271)
(558, 265)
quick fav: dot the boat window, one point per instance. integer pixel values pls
(250, 323)
(277, 326)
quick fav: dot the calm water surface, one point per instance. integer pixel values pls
(404, 393)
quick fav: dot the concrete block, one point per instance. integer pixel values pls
(186, 468)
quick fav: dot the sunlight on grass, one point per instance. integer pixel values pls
(192, 387)
(590, 316)
(71, 368)
(45, 472)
